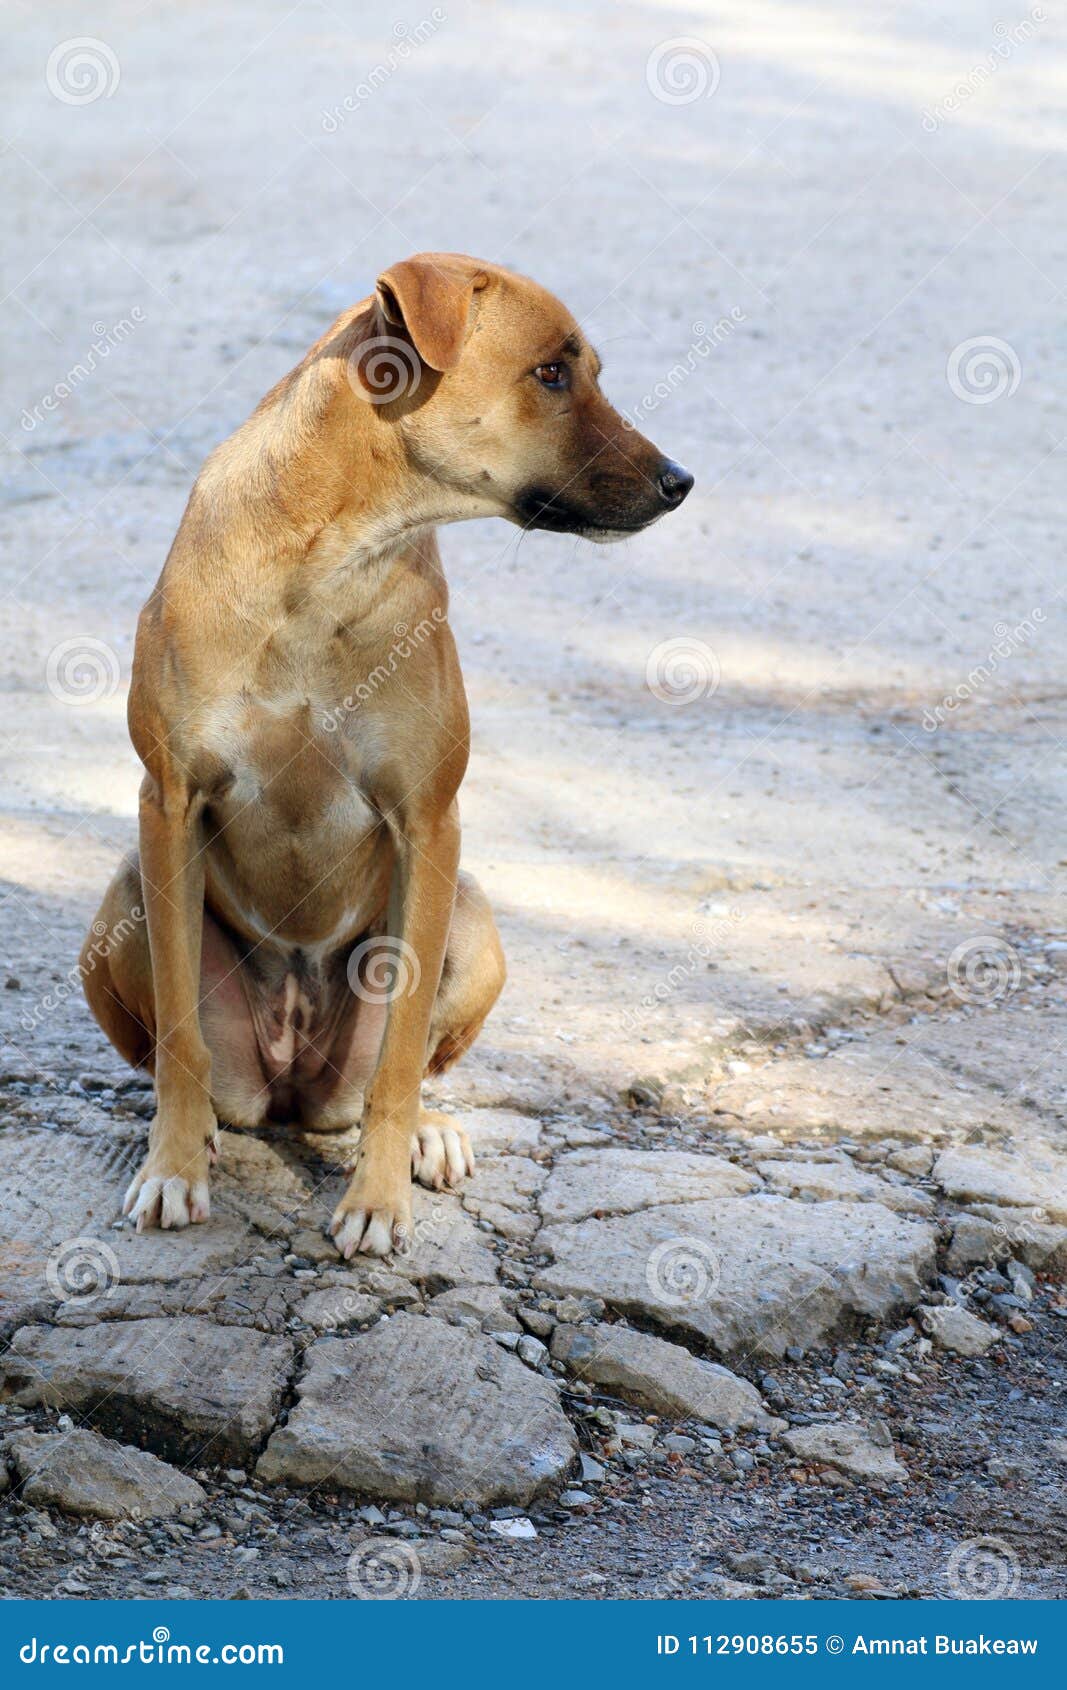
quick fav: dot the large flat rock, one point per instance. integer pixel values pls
(82, 1473)
(745, 1274)
(503, 1192)
(61, 1194)
(447, 1247)
(618, 1181)
(418, 1410)
(818, 1181)
(1031, 1176)
(185, 1388)
(660, 1376)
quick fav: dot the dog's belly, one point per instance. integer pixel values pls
(291, 1033)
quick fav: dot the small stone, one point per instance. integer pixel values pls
(752, 1565)
(537, 1321)
(636, 1436)
(570, 1310)
(679, 1443)
(337, 1309)
(659, 1375)
(531, 1351)
(914, 1159)
(955, 1328)
(591, 1472)
(1022, 1280)
(445, 1555)
(574, 1499)
(851, 1449)
(480, 1307)
(520, 1529)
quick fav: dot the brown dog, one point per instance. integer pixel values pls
(312, 948)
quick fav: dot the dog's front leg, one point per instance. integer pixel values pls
(374, 1216)
(171, 1188)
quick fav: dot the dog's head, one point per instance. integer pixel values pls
(495, 390)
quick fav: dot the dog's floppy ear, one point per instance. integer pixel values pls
(430, 296)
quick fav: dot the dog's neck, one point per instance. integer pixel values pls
(319, 482)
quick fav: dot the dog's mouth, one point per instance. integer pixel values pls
(539, 509)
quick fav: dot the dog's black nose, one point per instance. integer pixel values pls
(674, 483)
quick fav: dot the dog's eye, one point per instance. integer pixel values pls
(552, 375)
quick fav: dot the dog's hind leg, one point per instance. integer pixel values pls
(471, 981)
(116, 974)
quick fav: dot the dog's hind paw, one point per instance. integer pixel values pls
(441, 1153)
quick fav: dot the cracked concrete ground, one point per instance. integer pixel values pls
(758, 1286)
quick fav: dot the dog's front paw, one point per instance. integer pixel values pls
(441, 1153)
(372, 1219)
(163, 1194)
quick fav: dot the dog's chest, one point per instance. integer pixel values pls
(282, 761)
